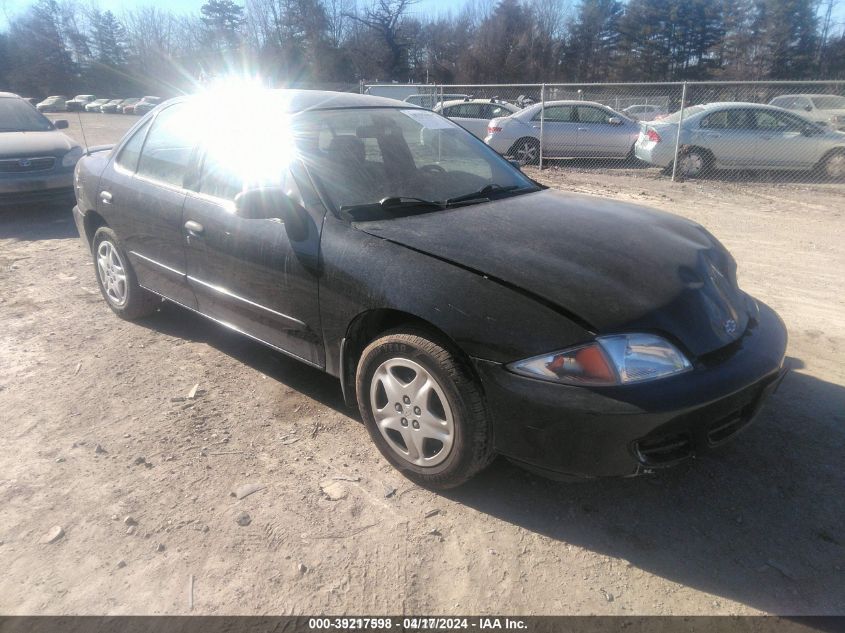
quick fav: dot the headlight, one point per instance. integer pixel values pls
(70, 159)
(610, 360)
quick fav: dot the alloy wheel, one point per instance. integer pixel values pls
(412, 412)
(692, 164)
(526, 153)
(112, 273)
(835, 166)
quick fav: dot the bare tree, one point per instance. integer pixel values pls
(384, 17)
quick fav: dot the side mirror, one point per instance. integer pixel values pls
(615, 120)
(61, 124)
(808, 108)
(515, 164)
(273, 202)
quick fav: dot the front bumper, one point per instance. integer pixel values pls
(31, 187)
(562, 430)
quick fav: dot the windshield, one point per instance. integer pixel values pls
(688, 112)
(829, 103)
(362, 156)
(18, 116)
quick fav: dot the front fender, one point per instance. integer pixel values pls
(484, 318)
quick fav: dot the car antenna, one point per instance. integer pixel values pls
(82, 128)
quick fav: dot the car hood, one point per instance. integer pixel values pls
(615, 266)
(51, 143)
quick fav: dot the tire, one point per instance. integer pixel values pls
(832, 166)
(526, 151)
(116, 278)
(437, 437)
(694, 162)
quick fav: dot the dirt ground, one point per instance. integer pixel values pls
(84, 396)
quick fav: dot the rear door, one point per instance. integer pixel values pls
(732, 137)
(247, 273)
(560, 130)
(471, 117)
(141, 196)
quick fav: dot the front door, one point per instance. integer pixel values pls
(247, 273)
(598, 137)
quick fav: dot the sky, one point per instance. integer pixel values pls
(426, 8)
(9, 8)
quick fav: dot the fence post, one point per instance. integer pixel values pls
(542, 119)
(678, 135)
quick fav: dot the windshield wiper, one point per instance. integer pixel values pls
(483, 192)
(406, 201)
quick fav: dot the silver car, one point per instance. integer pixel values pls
(474, 114)
(742, 136)
(827, 109)
(571, 129)
(36, 160)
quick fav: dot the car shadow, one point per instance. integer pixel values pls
(764, 176)
(759, 521)
(178, 322)
(41, 221)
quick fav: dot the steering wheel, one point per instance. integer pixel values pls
(432, 169)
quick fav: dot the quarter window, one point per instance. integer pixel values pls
(169, 145)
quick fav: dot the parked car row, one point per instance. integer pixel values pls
(90, 103)
(800, 136)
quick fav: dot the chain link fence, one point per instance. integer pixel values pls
(783, 131)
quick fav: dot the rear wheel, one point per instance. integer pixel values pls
(423, 409)
(117, 280)
(694, 162)
(526, 151)
(833, 165)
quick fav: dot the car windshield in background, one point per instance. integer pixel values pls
(829, 103)
(18, 116)
(364, 156)
(676, 116)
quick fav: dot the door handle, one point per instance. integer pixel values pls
(582, 129)
(105, 197)
(194, 228)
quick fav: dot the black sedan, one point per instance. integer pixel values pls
(466, 310)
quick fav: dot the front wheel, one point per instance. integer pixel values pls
(423, 409)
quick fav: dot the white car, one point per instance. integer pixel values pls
(430, 100)
(474, 114)
(826, 109)
(645, 112)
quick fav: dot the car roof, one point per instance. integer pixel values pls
(493, 101)
(9, 95)
(292, 101)
(805, 94)
(575, 102)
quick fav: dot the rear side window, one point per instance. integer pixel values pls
(128, 157)
(169, 145)
(558, 114)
